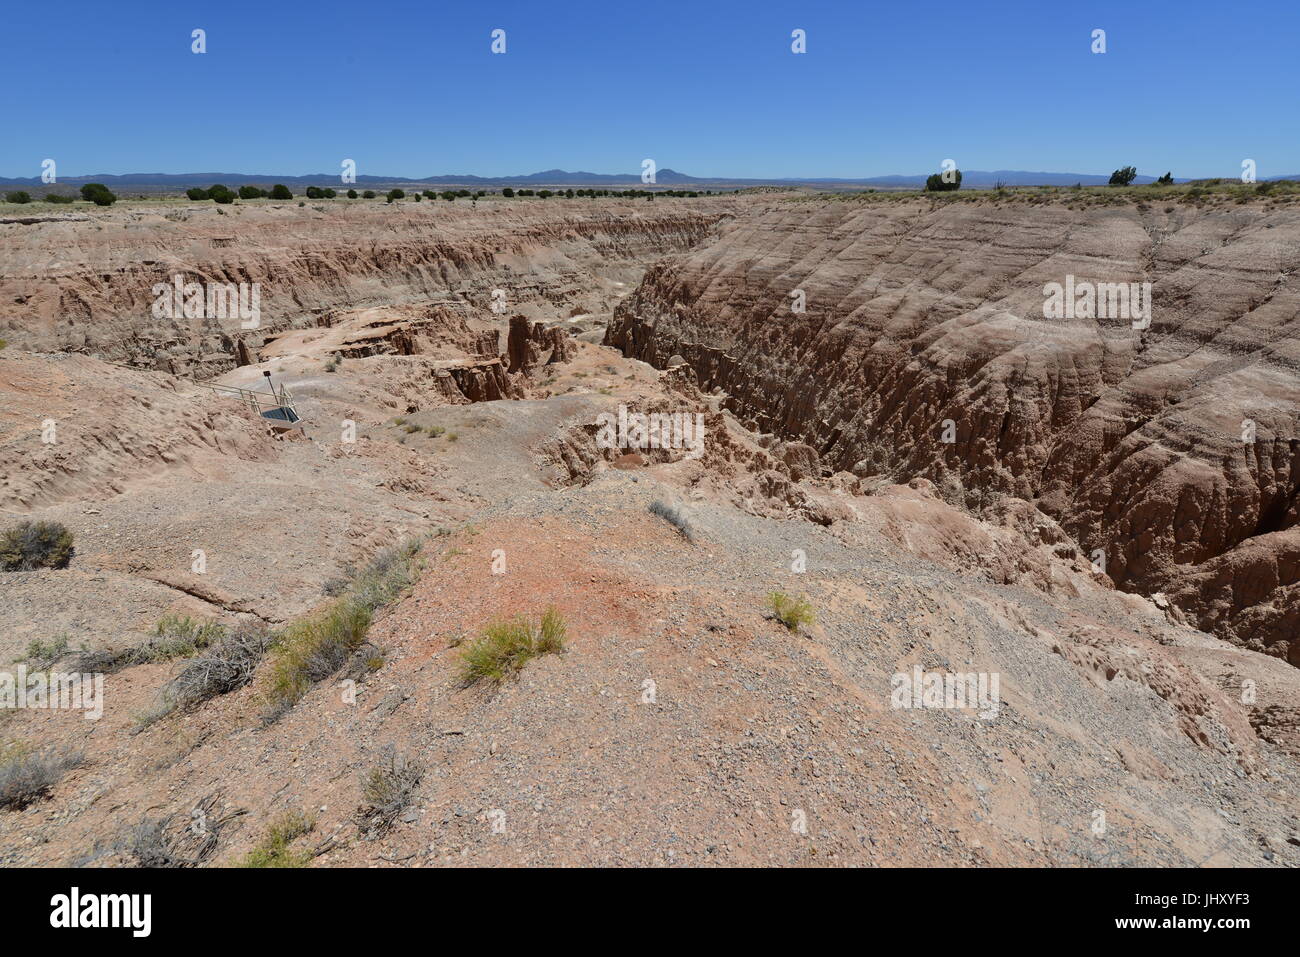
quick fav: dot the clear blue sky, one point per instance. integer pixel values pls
(708, 88)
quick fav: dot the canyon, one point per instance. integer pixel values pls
(956, 484)
(1173, 452)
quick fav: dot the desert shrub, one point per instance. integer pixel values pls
(31, 545)
(175, 636)
(396, 194)
(386, 791)
(508, 193)
(352, 194)
(250, 192)
(226, 665)
(280, 191)
(317, 646)
(934, 183)
(332, 363)
(225, 197)
(274, 849)
(59, 198)
(19, 196)
(197, 193)
(673, 516)
(26, 775)
(42, 654)
(791, 612)
(329, 193)
(504, 647)
(368, 194)
(1166, 180)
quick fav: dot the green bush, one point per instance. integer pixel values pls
(178, 636)
(506, 646)
(934, 183)
(280, 191)
(368, 194)
(59, 198)
(197, 193)
(250, 192)
(791, 612)
(21, 196)
(352, 194)
(31, 545)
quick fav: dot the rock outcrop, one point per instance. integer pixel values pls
(1171, 453)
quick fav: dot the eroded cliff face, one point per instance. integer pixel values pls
(923, 351)
(71, 287)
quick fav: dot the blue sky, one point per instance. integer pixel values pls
(706, 88)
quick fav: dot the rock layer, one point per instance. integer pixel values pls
(1172, 453)
(67, 288)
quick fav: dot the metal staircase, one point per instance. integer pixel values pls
(276, 406)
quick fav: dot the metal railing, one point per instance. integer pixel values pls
(276, 405)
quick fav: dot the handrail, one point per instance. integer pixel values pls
(280, 398)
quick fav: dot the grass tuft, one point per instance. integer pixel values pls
(274, 850)
(506, 646)
(317, 646)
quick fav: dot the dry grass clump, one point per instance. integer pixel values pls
(506, 646)
(673, 515)
(27, 774)
(180, 840)
(387, 790)
(227, 665)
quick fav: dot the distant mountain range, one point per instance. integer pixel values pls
(971, 179)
